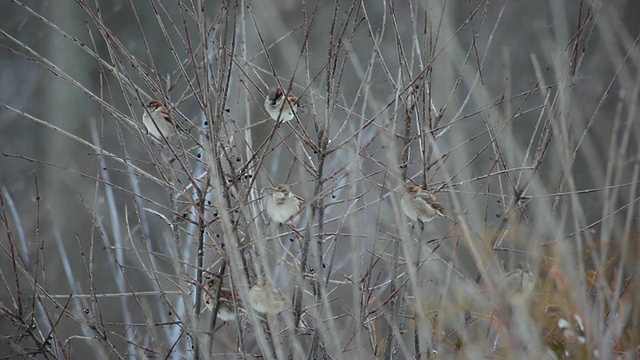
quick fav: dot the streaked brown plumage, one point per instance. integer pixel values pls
(157, 120)
(227, 308)
(277, 107)
(419, 204)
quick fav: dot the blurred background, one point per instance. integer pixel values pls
(520, 116)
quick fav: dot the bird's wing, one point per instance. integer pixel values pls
(424, 201)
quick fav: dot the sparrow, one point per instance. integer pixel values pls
(157, 120)
(280, 106)
(517, 285)
(226, 309)
(421, 205)
(283, 205)
(266, 299)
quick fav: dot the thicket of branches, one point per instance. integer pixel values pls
(520, 117)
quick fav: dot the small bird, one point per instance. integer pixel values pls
(420, 204)
(226, 309)
(283, 205)
(517, 285)
(266, 299)
(157, 120)
(280, 106)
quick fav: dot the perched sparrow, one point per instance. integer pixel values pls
(283, 205)
(159, 123)
(517, 285)
(226, 309)
(266, 299)
(277, 107)
(420, 204)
